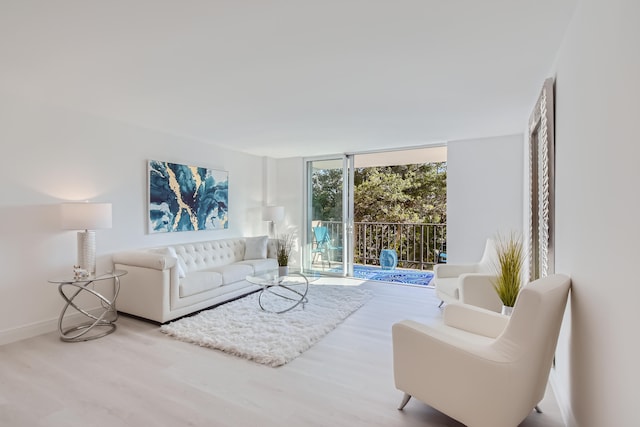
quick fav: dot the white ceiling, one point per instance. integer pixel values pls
(286, 78)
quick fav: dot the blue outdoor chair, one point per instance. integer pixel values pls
(324, 247)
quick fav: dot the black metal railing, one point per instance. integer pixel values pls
(418, 245)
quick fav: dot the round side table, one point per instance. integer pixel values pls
(70, 288)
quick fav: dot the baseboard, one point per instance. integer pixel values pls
(563, 400)
(40, 328)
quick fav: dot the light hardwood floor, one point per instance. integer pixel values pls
(138, 376)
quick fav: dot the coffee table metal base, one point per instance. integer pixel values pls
(286, 290)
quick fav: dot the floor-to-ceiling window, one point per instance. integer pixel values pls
(361, 204)
(329, 215)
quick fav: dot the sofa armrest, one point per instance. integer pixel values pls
(474, 319)
(152, 260)
(453, 270)
(478, 289)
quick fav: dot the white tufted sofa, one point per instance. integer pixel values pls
(165, 283)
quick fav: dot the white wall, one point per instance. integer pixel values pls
(598, 213)
(289, 187)
(52, 155)
(484, 193)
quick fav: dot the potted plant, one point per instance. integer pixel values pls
(284, 246)
(508, 279)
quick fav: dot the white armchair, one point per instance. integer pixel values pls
(469, 283)
(482, 368)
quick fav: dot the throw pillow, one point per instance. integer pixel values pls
(180, 265)
(256, 247)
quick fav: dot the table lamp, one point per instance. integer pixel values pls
(272, 214)
(88, 217)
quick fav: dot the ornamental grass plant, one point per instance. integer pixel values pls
(509, 269)
(285, 246)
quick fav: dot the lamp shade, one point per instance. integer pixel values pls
(273, 213)
(86, 216)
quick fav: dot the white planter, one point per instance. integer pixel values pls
(506, 310)
(283, 270)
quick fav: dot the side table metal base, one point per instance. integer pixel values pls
(65, 335)
(100, 324)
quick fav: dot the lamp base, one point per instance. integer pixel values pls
(87, 250)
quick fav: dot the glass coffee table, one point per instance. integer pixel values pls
(280, 294)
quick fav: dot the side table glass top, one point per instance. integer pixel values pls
(90, 278)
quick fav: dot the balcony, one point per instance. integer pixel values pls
(419, 246)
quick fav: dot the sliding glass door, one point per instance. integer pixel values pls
(329, 214)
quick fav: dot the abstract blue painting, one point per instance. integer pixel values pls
(187, 198)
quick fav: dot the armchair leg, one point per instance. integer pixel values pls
(538, 410)
(405, 400)
(441, 302)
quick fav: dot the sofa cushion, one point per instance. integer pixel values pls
(182, 268)
(449, 286)
(199, 281)
(205, 256)
(170, 251)
(272, 249)
(234, 272)
(261, 265)
(256, 247)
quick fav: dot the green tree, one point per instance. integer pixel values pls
(406, 193)
(327, 194)
(398, 197)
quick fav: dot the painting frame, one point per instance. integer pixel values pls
(184, 197)
(541, 147)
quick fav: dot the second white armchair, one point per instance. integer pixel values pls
(469, 283)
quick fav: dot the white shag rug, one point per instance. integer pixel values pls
(241, 328)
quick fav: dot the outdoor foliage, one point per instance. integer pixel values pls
(327, 195)
(405, 194)
(400, 198)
